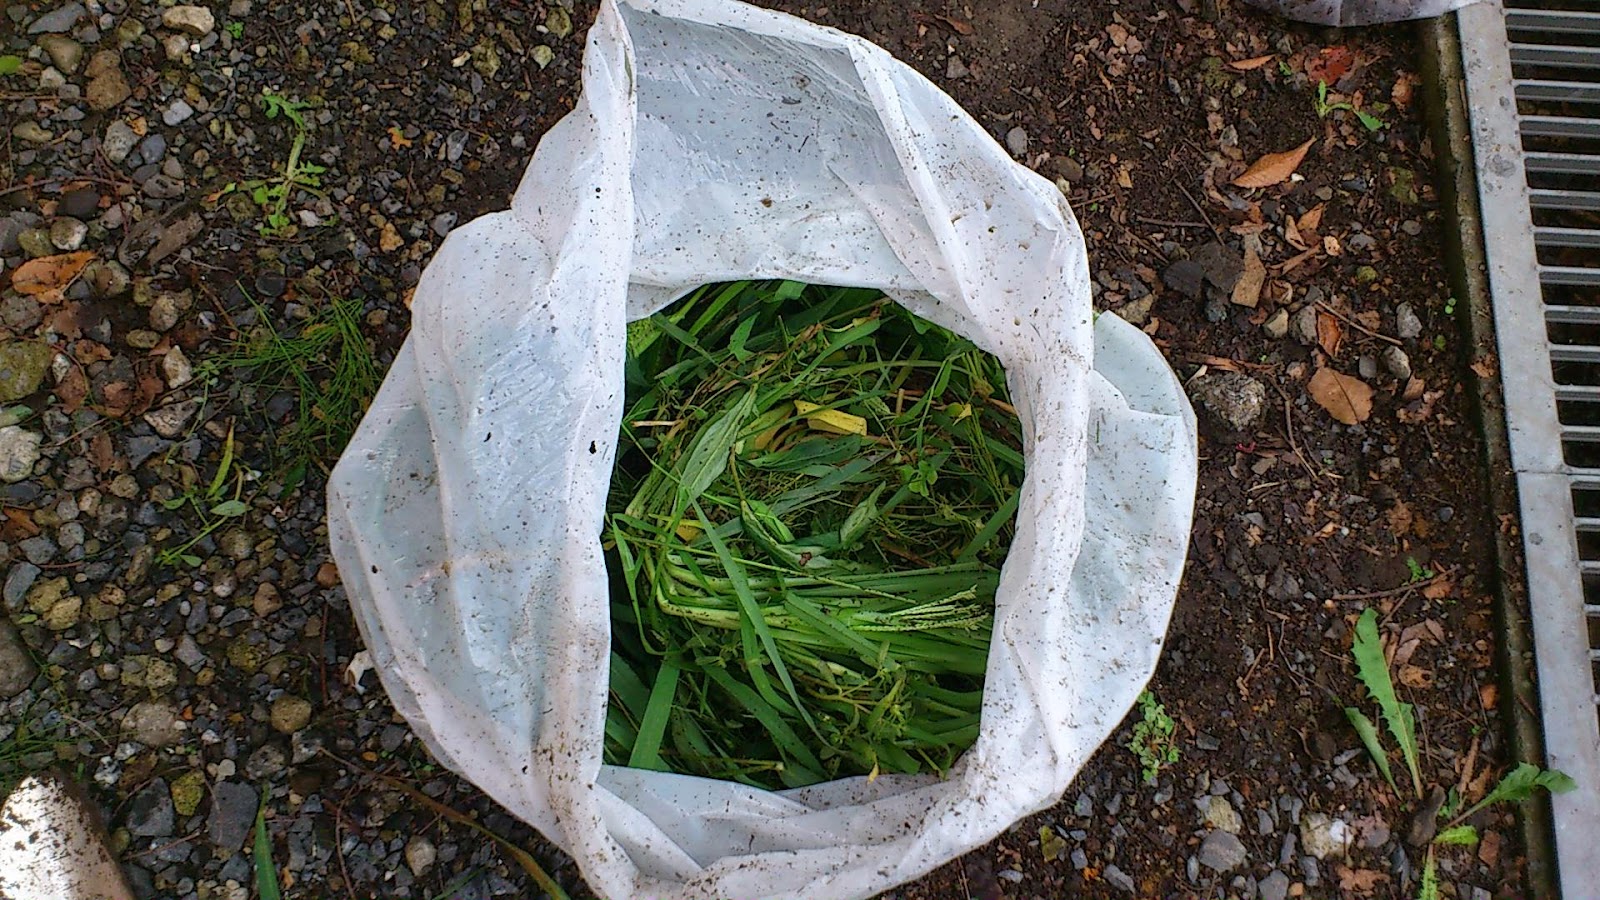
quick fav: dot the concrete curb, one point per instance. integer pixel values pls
(1446, 110)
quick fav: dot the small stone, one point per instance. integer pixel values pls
(1221, 814)
(189, 653)
(58, 20)
(31, 132)
(1411, 227)
(1310, 872)
(107, 278)
(187, 791)
(65, 52)
(160, 675)
(1017, 141)
(233, 812)
(19, 451)
(1222, 852)
(954, 68)
(327, 575)
(169, 421)
(141, 339)
(420, 855)
(153, 148)
(19, 580)
(1222, 265)
(20, 313)
(109, 88)
(154, 723)
(176, 47)
(119, 141)
(150, 812)
(1406, 323)
(266, 600)
(35, 242)
(245, 656)
(1397, 363)
(1186, 277)
(67, 233)
(1273, 887)
(178, 113)
(196, 20)
(17, 668)
(290, 714)
(443, 223)
(79, 204)
(266, 761)
(1304, 325)
(1367, 367)
(1119, 879)
(1068, 168)
(168, 308)
(1011, 875)
(1277, 325)
(175, 366)
(1323, 836)
(271, 284)
(162, 186)
(1236, 399)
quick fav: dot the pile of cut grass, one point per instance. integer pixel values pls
(813, 495)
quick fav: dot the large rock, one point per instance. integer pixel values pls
(1323, 836)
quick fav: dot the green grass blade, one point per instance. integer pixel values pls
(708, 457)
(1374, 744)
(1373, 670)
(788, 742)
(647, 746)
(266, 872)
(1001, 518)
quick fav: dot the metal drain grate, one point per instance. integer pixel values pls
(1533, 93)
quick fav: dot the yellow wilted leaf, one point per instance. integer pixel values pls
(688, 530)
(49, 273)
(832, 421)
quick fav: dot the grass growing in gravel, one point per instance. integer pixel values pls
(813, 497)
(327, 366)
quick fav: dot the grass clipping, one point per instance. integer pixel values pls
(813, 495)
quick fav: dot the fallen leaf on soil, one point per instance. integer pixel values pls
(1330, 65)
(1051, 844)
(959, 26)
(1438, 589)
(1331, 246)
(1416, 677)
(1489, 848)
(1294, 262)
(1401, 94)
(1273, 168)
(1247, 290)
(397, 138)
(101, 453)
(1123, 178)
(86, 352)
(1400, 518)
(50, 273)
(1360, 881)
(1413, 389)
(1345, 397)
(120, 399)
(72, 390)
(1291, 233)
(1330, 334)
(1485, 366)
(1312, 220)
(1246, 65)
(18, 525)
(1489, 696)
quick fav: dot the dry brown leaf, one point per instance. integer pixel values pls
(1274, 168)
(1416, 677)
(1439, 588)
(101, 453)
(1291, 233)
(1360, 881)
(1330, 334)
(1124, 178)
(1251, 64)
(1401, 95)
(1400, 518)
(957, 25)
(1485, 366)
(18, 525)
(1330, 64)
(1247, 290)
(1489, 695)
(1345, 397)
(72, 390)
(1489, 848)
(1331, 246)
(50, 273)
(1414, 388)
(1312, 220)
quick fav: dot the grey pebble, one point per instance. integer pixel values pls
(1264, 823)
(17, 668)
(1080, 859)
(1207, 742)
(233, 810)
(119, 141)
(176, 114)
(1397, 363)
(1406, 323)
(1222, 852)
(1273, 887)
(1119, 879)
(150, 812)
(153, 148)
(1084, 807)
(1310, 872)
(18, 580)
(1011, 875)
(60, 19)
(1017, 141)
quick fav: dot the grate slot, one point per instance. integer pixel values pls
(1572, 315)
(1537, 90)
(1552, 198)
(1569, 275)
(1553, 21)
(1555, 56)
(1549, 236)
(1558, 126)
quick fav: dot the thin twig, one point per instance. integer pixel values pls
(1201, 210)
(1394, 592)
(1170, 223)
(1357, 325)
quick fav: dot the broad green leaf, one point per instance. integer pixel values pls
(1520, 783)
(1373, 670)
(708, 457)
(1459, 836)
(10, 65)
(229, 509)
(647, 746)
(1374, 744)
(740, 335)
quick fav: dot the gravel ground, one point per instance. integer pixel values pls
(180, 184)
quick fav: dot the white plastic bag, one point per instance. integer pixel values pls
(716, 141)
(1358, 12)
